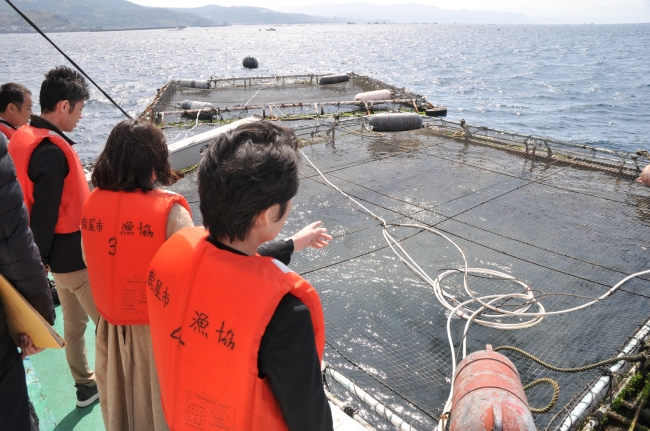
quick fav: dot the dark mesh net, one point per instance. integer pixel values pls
(562, 218)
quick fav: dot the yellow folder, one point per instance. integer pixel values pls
(22, 318)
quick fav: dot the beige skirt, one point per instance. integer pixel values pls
(129, 393)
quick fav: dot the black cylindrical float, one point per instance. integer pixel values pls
(194, 83)
(250, 62)
(396, 122)
(333, 79)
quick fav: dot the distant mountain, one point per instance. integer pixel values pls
(252, 15)
(408, 13)
(95, 13)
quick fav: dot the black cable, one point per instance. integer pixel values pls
(68, 58)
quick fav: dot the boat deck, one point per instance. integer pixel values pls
(51, 390)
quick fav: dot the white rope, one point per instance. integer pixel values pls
(260, 89)
(188, 130)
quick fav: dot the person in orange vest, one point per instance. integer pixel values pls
(15, 107)
(54, 190)
(125, 220)
(238, 338)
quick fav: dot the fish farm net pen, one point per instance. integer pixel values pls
(559, 217)
(228, 99)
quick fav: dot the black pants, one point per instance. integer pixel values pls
(14, 407)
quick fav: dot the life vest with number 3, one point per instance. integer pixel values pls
(121, 232)
(208, 311)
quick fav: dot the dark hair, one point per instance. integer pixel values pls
(244, 172)
(62, 83)
(12, 93)
(135, 150)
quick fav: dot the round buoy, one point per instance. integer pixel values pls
(250, 62)
(396, 122)
(437, 111)
(333, 79)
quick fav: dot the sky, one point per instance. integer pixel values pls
(533, 7)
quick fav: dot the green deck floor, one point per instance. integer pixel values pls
(52, 390)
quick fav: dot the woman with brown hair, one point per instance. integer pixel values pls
(125, 221)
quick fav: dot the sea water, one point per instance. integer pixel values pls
(581, 83)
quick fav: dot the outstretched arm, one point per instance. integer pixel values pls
(312, 235)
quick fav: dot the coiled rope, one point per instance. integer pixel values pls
(556, 394)
(556, 387)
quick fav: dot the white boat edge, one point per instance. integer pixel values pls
(187, 152)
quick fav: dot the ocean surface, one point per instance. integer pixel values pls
(582, 83)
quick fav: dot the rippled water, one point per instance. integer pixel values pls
(580, 83)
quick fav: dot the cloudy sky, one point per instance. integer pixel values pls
(523, 6)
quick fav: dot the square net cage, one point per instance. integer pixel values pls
(567, 220)
(288, 98)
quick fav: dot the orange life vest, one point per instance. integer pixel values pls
(121, 233)
(208, 311)
(7, 129)
(75, 186)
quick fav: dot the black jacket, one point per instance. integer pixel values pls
(48, 169)
(20, 262)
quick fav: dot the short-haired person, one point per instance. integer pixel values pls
(55, 189)
(126, 219)
(15, 107)
(21, 264)
(238, 338)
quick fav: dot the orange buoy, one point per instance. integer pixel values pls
(489, 396)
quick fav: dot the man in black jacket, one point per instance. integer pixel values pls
(20, 263)
(54, 188)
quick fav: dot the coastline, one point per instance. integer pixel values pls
(83, 30)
